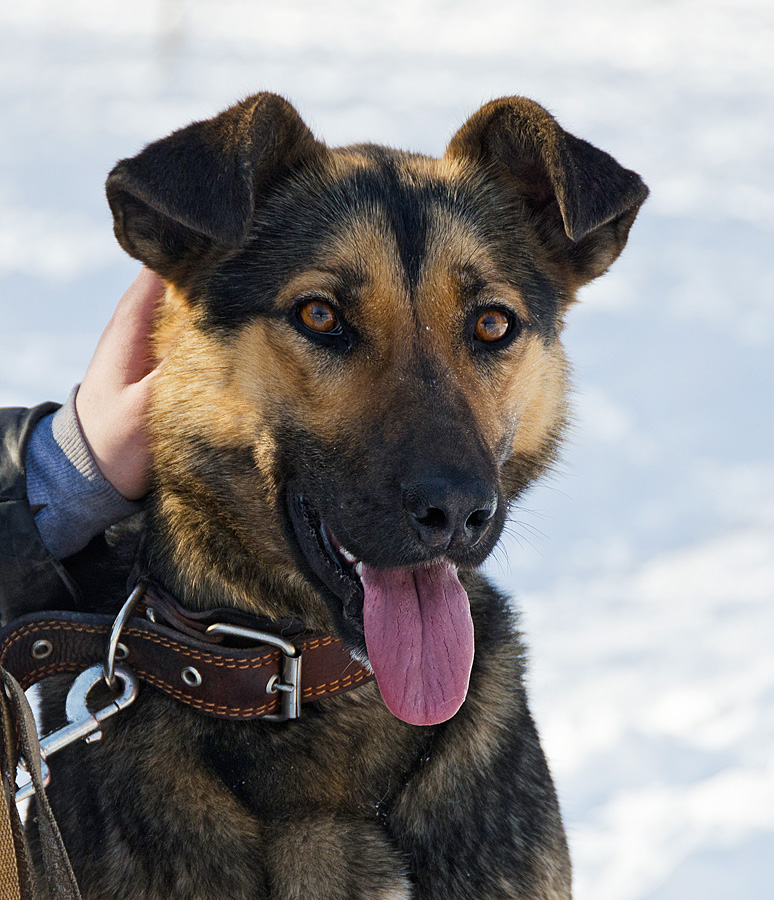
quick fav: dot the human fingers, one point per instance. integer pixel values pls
(124, 354)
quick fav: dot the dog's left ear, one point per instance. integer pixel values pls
(192, 195)
(580, 199)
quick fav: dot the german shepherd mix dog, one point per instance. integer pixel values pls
(363, 370)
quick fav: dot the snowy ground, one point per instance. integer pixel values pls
(645, 566)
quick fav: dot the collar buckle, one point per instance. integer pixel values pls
(288, 683)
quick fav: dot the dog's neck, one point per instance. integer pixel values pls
(199, 559)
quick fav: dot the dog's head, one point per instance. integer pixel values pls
(363, 361)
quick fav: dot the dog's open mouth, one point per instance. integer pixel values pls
(416, 621)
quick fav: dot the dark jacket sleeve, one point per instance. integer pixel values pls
(30, 578)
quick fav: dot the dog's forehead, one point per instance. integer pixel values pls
(378, 212)
(374, 221)
(410, 200)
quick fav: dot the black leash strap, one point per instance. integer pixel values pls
(16, 874)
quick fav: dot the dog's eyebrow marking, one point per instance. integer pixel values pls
(348, 282)
(470, 281)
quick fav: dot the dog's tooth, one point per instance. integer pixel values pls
(359, 569)
(350, 557)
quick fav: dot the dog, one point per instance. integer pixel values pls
(362, 371)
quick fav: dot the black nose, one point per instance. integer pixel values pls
(449, 510)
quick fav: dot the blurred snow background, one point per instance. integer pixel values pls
(645, 565)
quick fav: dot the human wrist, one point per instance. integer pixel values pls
(73, 500)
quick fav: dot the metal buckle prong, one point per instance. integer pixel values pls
(290, 684)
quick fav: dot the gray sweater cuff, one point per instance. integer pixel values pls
(72, 500)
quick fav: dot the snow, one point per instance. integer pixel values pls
(645, 565)
(655, 692)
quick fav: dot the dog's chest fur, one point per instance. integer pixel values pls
(349, 802)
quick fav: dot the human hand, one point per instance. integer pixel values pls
(112, 401)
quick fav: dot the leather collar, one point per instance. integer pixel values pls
(187, 656)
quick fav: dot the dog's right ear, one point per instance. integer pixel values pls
(192, 194)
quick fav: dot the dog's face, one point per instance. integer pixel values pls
(363, 359)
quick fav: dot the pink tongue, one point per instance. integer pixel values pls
(419, 636)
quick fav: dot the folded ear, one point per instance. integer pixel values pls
(582, 201)
(193, 194)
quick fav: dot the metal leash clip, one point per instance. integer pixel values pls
(84, 724)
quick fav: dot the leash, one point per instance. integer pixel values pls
(17, 879)
(223, 663)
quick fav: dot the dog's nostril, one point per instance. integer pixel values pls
(433, 518)
(479, 518)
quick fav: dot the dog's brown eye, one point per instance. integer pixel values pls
(492, 326)
(318, 316)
